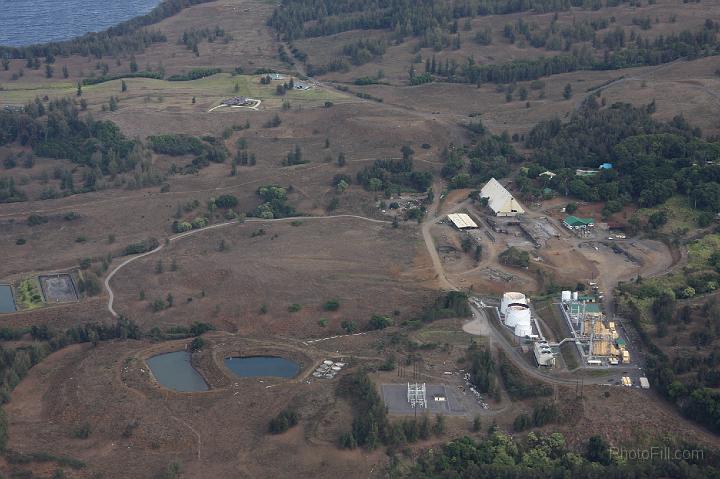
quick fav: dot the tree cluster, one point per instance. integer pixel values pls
(394, 176)
(274, 203)
(542, 456)
(652, 160)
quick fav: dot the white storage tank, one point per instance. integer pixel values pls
(517, 314)
(566, 296)
(523, 330)
(511, 298)
(575, 296)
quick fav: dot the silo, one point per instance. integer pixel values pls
(511, 298)
(517, 314)
(566, 296)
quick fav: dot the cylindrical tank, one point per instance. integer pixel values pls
(566, 296)
(511, 298)
(523, 330)
(517, 314)
(575, 296)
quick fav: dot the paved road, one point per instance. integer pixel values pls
(111, 295)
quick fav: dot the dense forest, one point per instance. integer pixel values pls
(651, 160)
(436, 23)
(543, 456)
(641, 52)
(695, 394)
(124, 38)
(489, 156)
(313, 18)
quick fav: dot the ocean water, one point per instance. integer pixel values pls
(25, 22)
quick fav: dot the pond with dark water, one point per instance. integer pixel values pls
(262, 366)
(174, 371)
(7, 303)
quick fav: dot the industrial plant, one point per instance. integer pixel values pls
(596, 338)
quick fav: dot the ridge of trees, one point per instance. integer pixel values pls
(314, 18)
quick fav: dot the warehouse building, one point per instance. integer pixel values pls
(462, 221)
(500, 201)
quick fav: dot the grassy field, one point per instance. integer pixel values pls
(28, 294)
(680, 215)
(209, 89)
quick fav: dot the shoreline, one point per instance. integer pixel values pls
(162, 10)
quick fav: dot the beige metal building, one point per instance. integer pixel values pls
(500, 201)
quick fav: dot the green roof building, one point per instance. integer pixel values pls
(575, 223)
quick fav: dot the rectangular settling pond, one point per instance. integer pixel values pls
(7, 302)
(262, 366)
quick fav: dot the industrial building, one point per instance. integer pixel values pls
(574, 223)
(543, 354)
(462, 221)
(596, 338)
(500, 201)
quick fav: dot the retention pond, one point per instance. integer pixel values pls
(174, 371)
(262, 366)
(7, 302)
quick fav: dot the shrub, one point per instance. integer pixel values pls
(197, 344)
(34, 220)
(380, 322)
(349, 326)
(226, 201)
(199, 222)
(331, 305)
(176, 145)
(82, 431)
(294, 308)
(283, 421)
(181, 226)
(90, 285)
(515, 257)
(141, 246)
